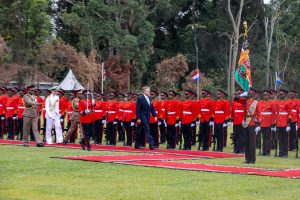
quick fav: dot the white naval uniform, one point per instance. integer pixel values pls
(53, 116)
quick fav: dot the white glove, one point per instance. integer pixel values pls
(228, 123)
(257, 129)
(224, 125)
(115, 122)
(192, 125)
(297, 128)
(165, 124)
(132, 124)
(288, 128)
(179, 124)
(244, 94)
(158, 123)
(211, 123)
(121, 123)
(61, 120)
(93, 102)
(2, 118)
(273, 129)
(103, 121)
(197, 122)
(86, 111)
(176, 125)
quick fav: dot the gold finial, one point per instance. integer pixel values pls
(246, 30)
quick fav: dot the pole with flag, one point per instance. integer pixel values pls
(277, 81)
(242, 74)
(196, 77)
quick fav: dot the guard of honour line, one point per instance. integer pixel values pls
(266, 119)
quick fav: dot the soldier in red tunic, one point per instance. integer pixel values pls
(294, 117)
(205, 105)
(11, 113)
(162, 117)
(267, 117)
(112, 114)
(99, 117)
(238, 114)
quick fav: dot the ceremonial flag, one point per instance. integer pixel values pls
(278, 80)
(242, 74)
(196, 75)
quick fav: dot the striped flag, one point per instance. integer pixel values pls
(196, 75)
(278, 80)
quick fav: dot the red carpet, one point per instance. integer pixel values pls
(129, 158)
(288, 173)
(206, 154)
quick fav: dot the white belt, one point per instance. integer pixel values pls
(70, 112)
(163, 109)
(238, 111)
(21, 107)
(219, 112)
(266, 113)
(283, 113)
(205, 110)
(156, 111)
(43, 108)
(9, 108)
(128, 111)
(111, 112)
(121, 110)
(294, 110)
(98, 111)
(1, 105)
(171, 113)
(185, 112)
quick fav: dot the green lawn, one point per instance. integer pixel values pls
(30, 173)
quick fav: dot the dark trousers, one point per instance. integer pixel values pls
(250, 146)
(219, 132)
(171, 136)
(20, 129)
(154, 133)
(2, 125)
(238, 138)
(283, 141)
(129, 133)
(292, 136)
(163, 132)
(11, 128)
(266, 135)
(111, 131)
(205, 135)
(193, 136)
(186, 130)
(146, 127)
(87, 131)
(121, 135)
(98, 126)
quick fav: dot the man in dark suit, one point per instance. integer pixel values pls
(144, 107)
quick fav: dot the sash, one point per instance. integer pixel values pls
(249, 114)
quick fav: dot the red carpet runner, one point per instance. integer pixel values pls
(161, 161)
(130, 158)
(203, 154)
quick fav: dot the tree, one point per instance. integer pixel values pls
(170, 71)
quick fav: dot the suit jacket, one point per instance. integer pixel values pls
(143, 108)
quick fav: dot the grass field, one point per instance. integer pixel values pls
(30, 173)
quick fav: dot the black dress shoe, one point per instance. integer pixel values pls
(40, 145)
(246, 162)
(152, 147)
(138, 147)
(89, 149)
(82, 145)
(252, 162)
(25, 145)
(65, 142)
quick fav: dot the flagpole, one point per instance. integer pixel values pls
(102, 71)
(275, 81)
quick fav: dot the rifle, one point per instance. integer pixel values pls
(214, 141)
(199, 139)
(297, 143)
(259, 140)
(276, 144)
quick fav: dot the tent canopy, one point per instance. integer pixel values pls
(70, 82)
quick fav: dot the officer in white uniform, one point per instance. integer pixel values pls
(53, 116)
